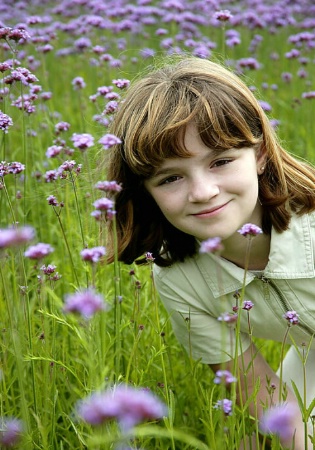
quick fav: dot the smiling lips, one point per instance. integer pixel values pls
(210, 212)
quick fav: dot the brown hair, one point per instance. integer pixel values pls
(150, 122)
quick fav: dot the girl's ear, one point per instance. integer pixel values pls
(261, 158)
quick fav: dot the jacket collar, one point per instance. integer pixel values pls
(291, 257)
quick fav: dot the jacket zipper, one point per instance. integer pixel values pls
(267, 282)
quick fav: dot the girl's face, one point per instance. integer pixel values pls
(212, 193)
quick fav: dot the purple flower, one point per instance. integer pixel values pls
(54, 151)
(247, 305)
(5, 122)
(52, 200)
(10, 237)
(248, 63)
(62, 126)
(15, 167)
(212, 245)
(121, 83)
(38, 251)
(292, 317)
(86, 303)
(78, 83)
(149, 257)
(10, 432)
(228, 317)
(265, 105)
(111, 107)
(103, 204)
(108, 186)
(93, 254)
(225, 405)
(48, 270)
(279, 420)
(249, 229)
(108, 140)
(225, 377)
(82, 141)
(307, 95)
(223, 15)
(129, 406)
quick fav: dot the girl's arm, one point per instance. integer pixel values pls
(263, 371)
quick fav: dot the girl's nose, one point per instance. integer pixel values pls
(202, 190)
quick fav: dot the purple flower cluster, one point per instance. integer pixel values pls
(13, 168)
(249, 229)
(93, 254)
(10, 432)
(129, 406)
(224, 377)
(10, 237)
(247, 305)
(86, 303)
(38, 251)
(211, 245)
(224, 405)
(108, 140)
(5, 122)
(82, 141)
(279, 420)
(292, 317)
(108, 186)
(104, 207)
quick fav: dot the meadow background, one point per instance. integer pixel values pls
(58, 65)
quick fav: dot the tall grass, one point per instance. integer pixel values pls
(50, 359)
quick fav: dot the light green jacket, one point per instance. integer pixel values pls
(199, 290)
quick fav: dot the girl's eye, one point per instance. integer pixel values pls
(171, 179)
(221, 162)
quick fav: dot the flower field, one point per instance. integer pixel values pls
(88, 359)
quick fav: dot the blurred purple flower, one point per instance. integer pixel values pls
(225, 377)
(228, 317)
(10, 432)
(108, 186)
(249, 229)
(108, 140)
(223, 15)
(86, 303)
(265, 105)
(308, 95)
(225, 405)
(279, 420)
(103, 204)
(78, 83)
(10, 237)
(93, 254)
(287, 76)
(211, 245)
(121, 83)
(248, 63)
(54, 151)
(129, 406)
(82, 141)
(62, 126)
(38, 251)
(292, 317)
(111, 107)
(5, 122)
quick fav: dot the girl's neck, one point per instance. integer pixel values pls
(236, 251)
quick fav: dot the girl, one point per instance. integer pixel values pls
(198, 160)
